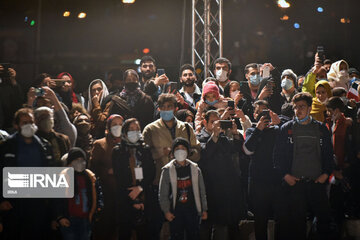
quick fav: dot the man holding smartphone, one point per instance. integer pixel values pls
(222, 181)
(151, 83)
(263, 182)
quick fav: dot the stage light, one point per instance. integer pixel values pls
(128, 1)
(146, 50)
(32, 23)
(283, 4)
(320, 9)
(284, 18)
(66, 14)
(345, 20)
(26, 19)
(198, 70)
(296, 25)
(137, 61)
(82, 15)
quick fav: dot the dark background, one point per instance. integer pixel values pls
(113, 35)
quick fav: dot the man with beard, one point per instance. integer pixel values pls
(190, 93)
(151, 83)
(222, 71)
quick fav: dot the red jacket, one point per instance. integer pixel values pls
(339, 138)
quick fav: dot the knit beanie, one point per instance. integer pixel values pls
(181, 141)
(289, 72)
(211, 87)
(75, 153)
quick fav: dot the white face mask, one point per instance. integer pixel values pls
(221, 75)
(79, 164)
(234, 93)
(180, 155)
(116, 130)
(133, 136)
(28, 130)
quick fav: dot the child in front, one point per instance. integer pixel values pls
(182, 193)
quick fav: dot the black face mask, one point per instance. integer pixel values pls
(131, 86)
(83, 128)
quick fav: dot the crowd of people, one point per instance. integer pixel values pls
(187, 159)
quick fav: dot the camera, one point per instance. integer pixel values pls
(39, 92)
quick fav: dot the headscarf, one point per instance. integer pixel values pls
(318, 108)
(105, 93)
(73, 96)
(334, 75)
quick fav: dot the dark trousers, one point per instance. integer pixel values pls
(304, 196)
(267, 203)
(186, 221)
(155, 215)
(79, 229)
(126, 229)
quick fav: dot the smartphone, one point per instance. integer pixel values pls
(39, 92)
(266, 114)
(225, 124)
(231, 104)
(171, 86)
(266, 72)
(160, 71)
(320, 51)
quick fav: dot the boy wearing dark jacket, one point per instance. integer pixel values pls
(75, 215)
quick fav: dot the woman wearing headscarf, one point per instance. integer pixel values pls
(338, 75)
(66, 93)
(101, 164)
(134, 170)
(97, 92)
(322, 94)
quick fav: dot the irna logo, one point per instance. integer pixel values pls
(37, 180)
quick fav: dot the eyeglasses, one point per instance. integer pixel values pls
(300, 107)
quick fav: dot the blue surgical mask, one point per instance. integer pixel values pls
(211, 103)
(302, 120)
(255, 79)
(167, 115)
(287, 84)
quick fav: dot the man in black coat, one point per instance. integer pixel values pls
(222, 181)
(25, 218)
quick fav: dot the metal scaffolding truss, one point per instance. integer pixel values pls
(207, 37)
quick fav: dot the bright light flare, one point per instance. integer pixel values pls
(66, 14)
(82, 15)
(128, 1)
(284, 18)
(283, 4)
